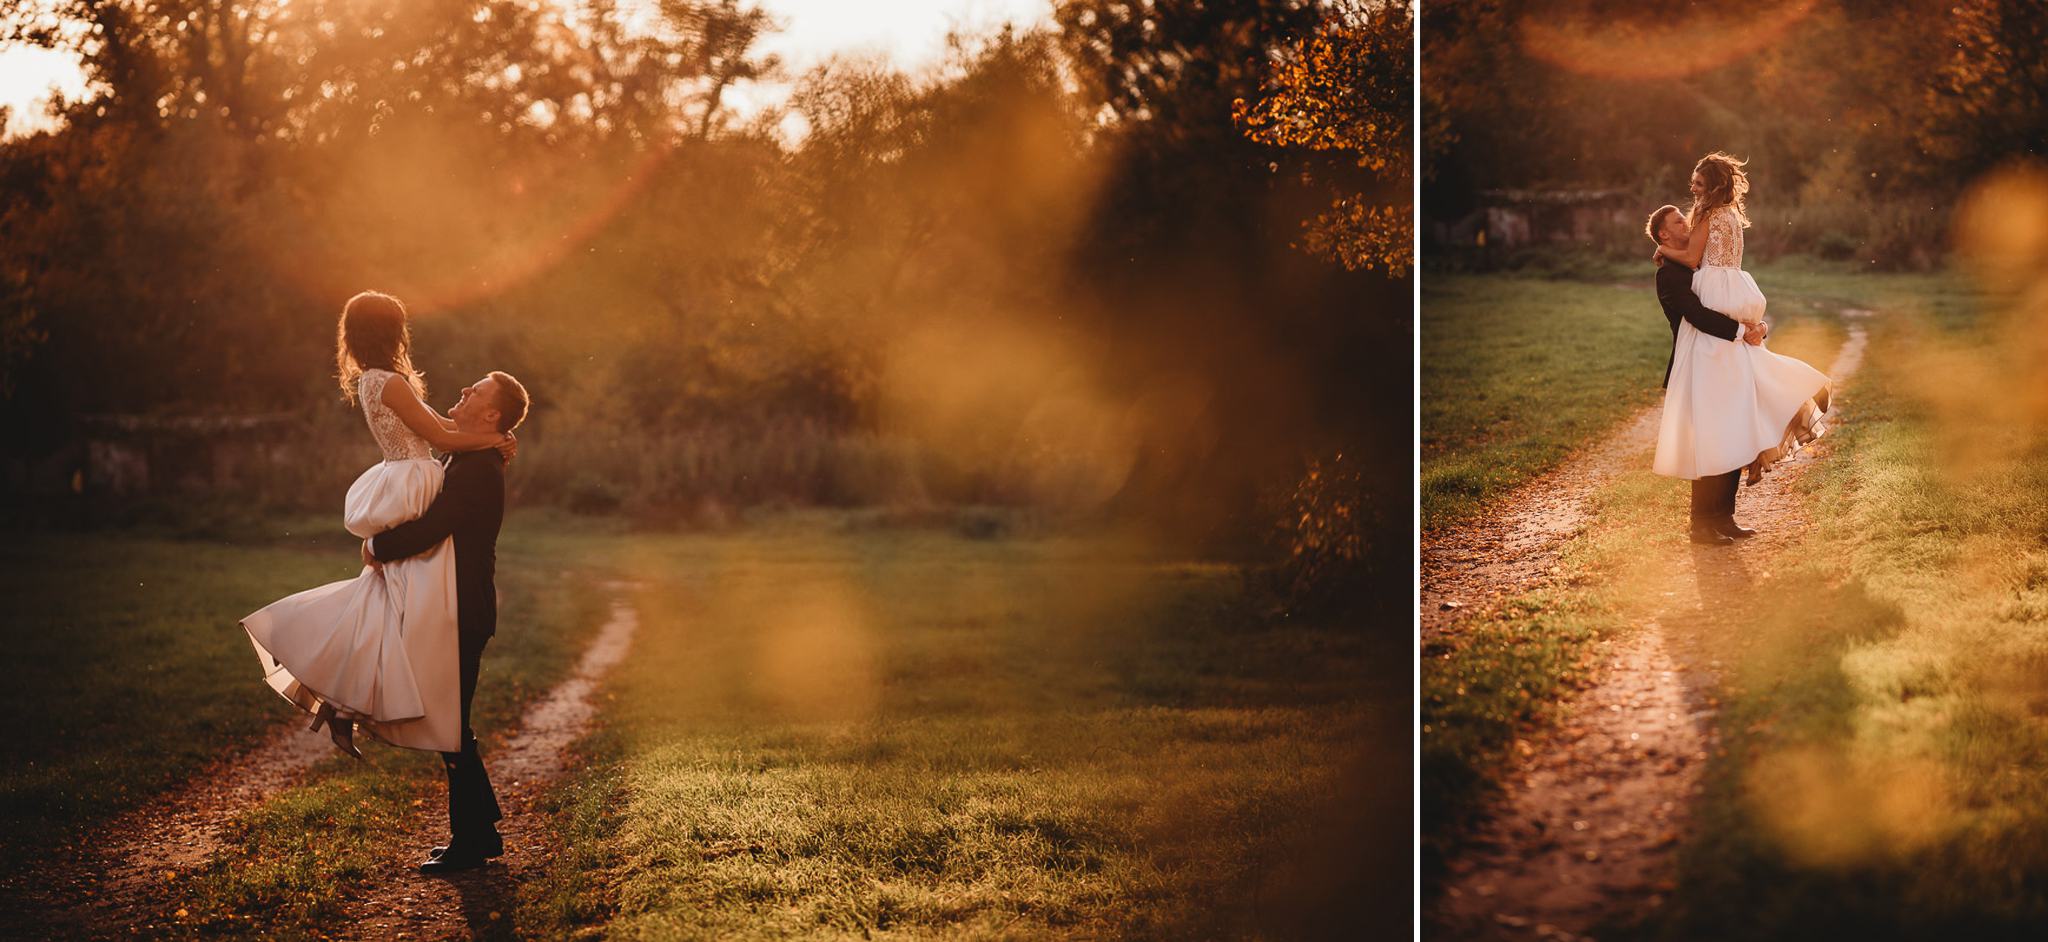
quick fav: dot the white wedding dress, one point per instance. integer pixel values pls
(1729, 402)
(382, 647)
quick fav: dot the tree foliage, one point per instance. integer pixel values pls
(1346, 88)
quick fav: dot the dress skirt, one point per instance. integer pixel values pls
(381, 647)
(1728, 402)
(1731, 291)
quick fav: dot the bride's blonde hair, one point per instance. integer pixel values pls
(374, 335)
(1726, 185)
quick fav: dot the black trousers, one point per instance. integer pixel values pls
(1713, 498)
(472, 804)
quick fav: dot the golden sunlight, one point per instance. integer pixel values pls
(29, 77)
(938, 474)
(1673, 47)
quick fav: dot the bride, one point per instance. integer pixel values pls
(380, 649)
(1729, 405)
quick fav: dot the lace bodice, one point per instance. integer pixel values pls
(397, 441)
(1724, 240)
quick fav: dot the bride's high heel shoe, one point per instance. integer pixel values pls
(342, 731)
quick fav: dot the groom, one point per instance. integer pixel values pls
(470, 508)
(1713, 497)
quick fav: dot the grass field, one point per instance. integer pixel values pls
(911, 733)
(115, 643)
(825, 729)
(1520, 370)
(1883, 749)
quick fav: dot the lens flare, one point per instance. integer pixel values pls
(1990, 399)
(435, 218)
(1661, 48)
(1006, 402)
(815, 656)
(2001, 227)
(1827, 808)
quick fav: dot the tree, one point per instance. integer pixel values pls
(1988, 102)
(1346, 88)
(1190, 270)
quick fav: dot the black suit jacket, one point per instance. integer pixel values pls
(470, 508)
(1674, 292)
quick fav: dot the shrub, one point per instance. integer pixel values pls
(593, 494)
(1324, 529)
(1835, 246)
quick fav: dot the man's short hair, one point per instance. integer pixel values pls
(1656, 224)
(512, 401)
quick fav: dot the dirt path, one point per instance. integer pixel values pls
(1594, 807)
(1514, 546)
(481, 903)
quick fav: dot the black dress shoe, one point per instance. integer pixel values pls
(491, 845)
(1728, 527)
(452, 860)
(1705, 535)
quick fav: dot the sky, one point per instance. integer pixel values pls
(912, 33)
(27, 77)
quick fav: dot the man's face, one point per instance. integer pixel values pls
(478, 406)
(1675, 230)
